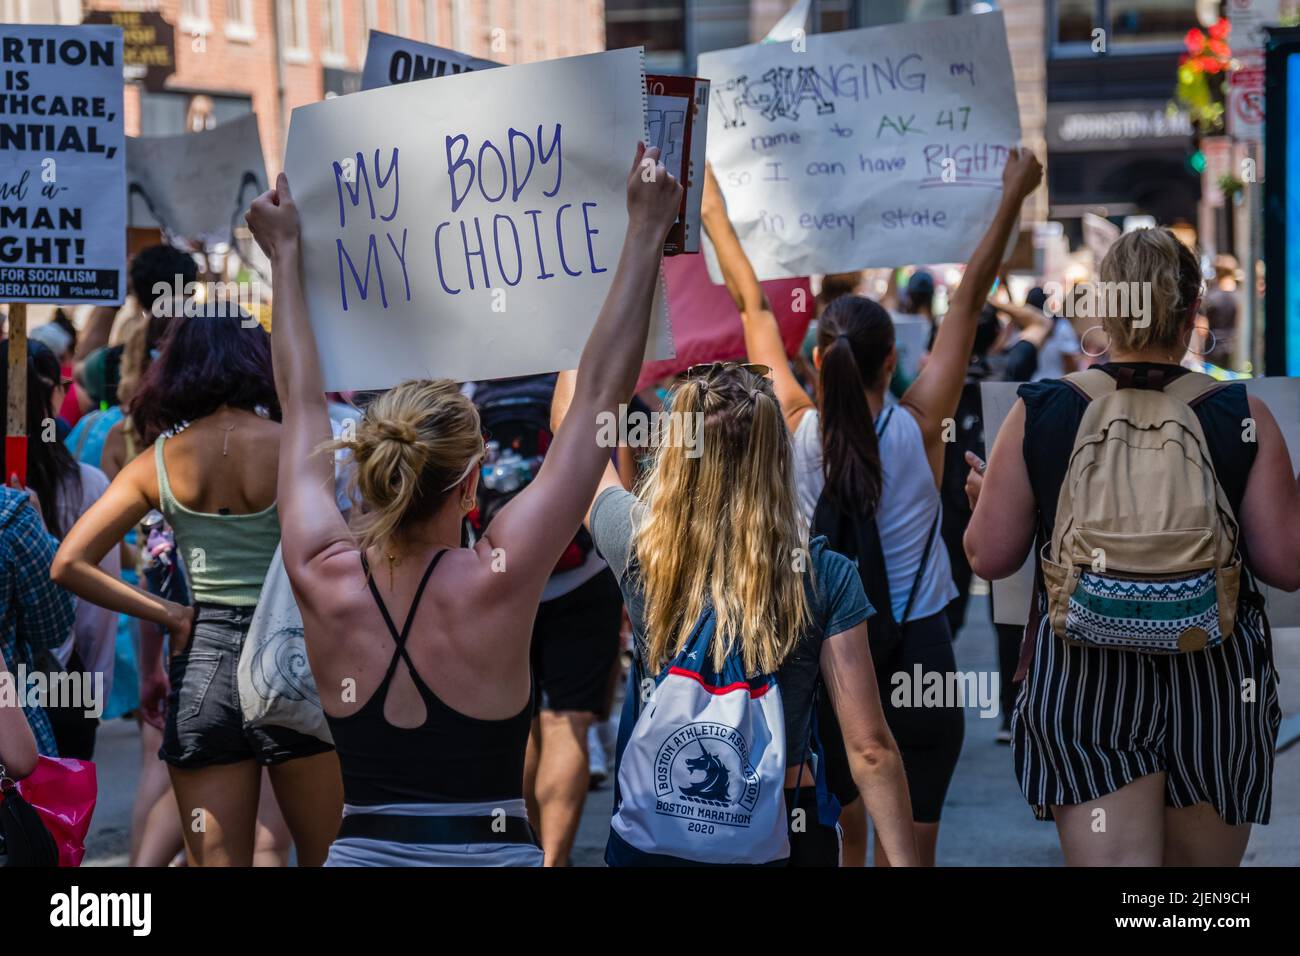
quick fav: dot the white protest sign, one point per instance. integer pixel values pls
(62, 165)
(911, 339)
(196, 186)
(878, 147)
(393, 59)
(1282, 395)
(467, 230)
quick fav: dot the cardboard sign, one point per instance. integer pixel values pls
(393, 59)
(195, 186)
(878, 147)
(62, 165)
(1282, 395)
(706, 325)
(677, 110)
(472, 233)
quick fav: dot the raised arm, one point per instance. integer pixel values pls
(1034, 325)
(763, 342)
(533, 530)
(933, 396)
(310, 523)
(560, 402)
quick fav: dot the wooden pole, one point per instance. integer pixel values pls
(16, 401)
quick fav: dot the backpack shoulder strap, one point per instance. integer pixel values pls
(1193, 388)
(1091, 383)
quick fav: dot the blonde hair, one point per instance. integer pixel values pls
(722, 529)
(414, 444)
(1157, 258)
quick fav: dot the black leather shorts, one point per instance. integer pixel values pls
(205, 723)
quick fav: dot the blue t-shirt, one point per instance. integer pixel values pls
(835, 594)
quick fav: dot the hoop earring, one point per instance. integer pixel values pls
(1083, 337)
(1214, 340)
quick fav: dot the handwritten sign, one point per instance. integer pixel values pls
(677, 123)
(196, 186)
(878, 147)
(393, 59)
(1282, 395)
(472, 233)
(62, 165)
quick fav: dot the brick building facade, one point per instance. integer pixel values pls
(269, 56)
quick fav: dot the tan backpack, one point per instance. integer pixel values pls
(1143, 555)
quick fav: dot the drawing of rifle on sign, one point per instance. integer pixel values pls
(676, 109)
(62, 195)
(469, 234)
(195, 187)
(877, 147)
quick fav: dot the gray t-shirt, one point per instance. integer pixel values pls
(835, 594)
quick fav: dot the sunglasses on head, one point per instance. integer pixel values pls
(708, 368)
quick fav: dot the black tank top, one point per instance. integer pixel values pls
(450, 758)
(1053, 411)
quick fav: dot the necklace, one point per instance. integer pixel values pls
(225, 442)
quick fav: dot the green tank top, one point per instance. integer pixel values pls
(225, 556)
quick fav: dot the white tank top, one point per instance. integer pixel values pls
(909, 503)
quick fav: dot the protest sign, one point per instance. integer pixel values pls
(62, 165)
(195, 186)
(677, 110)
(393, 59)
(911, 339)
(1282, 395)
(470, 234)
(877, 147)
(706, 325)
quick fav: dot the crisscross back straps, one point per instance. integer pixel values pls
(399, 638)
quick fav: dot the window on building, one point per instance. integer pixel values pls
(399, 17)
(369, 17)
(1151, 24)
(1165, 22)
(430, 21)
(239, 20)
(332, 24)
(460, 26)
(658, 25)
(293, 28)
(194, 14)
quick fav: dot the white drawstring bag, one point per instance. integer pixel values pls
(276, 687)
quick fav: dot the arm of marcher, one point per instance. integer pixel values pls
(874, 759)
(763, 343)
(312, 528)
(533, 530)
(1270, 509)
(933, 396)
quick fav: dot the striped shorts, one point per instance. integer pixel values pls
(1087, 721)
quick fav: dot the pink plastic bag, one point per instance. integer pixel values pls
(63, 791)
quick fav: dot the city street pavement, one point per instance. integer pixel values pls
(986, 821)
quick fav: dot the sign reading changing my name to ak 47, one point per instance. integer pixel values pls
(878, 147)
(467, 227)
(62, 165)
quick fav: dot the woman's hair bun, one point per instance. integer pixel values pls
(396, 430)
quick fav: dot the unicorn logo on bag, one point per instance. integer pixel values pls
(695, 781)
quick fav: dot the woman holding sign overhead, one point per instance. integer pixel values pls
(420, 647)
(867, 476)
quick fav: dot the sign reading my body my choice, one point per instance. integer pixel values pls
(467, 227)
(878, 147)
(62, 165)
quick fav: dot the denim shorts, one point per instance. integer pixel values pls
(205, 722)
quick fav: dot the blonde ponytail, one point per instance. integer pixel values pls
(414, 445)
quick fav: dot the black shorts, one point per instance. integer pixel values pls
(575, 645)
(205, 722)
